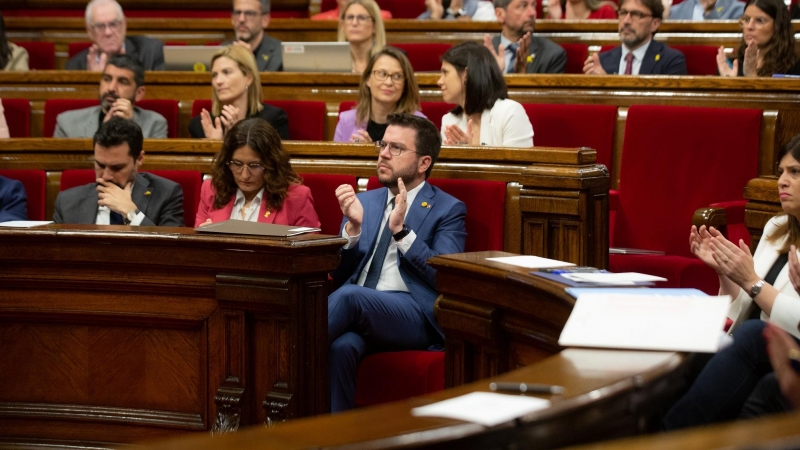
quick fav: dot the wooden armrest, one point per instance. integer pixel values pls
(711, 216)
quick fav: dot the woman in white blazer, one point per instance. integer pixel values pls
(738, 381)
(484, 115)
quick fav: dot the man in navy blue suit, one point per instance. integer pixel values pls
(386, 299)
(639, 53)
(13, 201)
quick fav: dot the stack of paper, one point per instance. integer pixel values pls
(617, 279)
(531, 262)
(485, 408)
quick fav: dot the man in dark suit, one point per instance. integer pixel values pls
(639, 53)
(121, 195)
(386, 300)
(516, 49)
(106, 26)
(250, 18)
(13, 201)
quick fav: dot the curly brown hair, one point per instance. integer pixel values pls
(259, 135)
(780, 55)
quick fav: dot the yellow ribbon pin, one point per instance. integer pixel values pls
(425, 205)
(658, 56)
(147, 193)
(529, 59)
(266, 57)
(199, 67)
(266, 214)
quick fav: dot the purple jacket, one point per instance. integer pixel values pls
(347, 125)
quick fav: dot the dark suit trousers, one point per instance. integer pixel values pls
(362, 321)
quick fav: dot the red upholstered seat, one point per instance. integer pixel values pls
(54, 107)
(17, 112)
(35, 184)
(413, 373)
(700, 59)
(675, 160)
(76, 47)
(424, 57)
(576, 56)
(574, 126)
(189, 180)
(306, 118)
(346, 106)
(434, 111)
(323, 189)
(41, 55)
(168, 109)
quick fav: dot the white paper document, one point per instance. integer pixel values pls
(303, 230)
(646, 322)
(612, 278)
(485, 408)
(25, 223)
(531, 262)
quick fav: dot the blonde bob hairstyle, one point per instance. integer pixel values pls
(379, 32)
(409, 99)
(247, 64)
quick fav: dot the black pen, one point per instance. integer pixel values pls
(526, 387)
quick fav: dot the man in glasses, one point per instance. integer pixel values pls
(385, 302)
(121, 195)
(249, 19)
(105, 24)
(639, 53)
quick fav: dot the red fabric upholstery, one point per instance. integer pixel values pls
(323, 189)
(35, 184)
(700, 59)
(670, 167)
(168, 109)
(200, 104)
(734, 215)
(413, 373)
(189, 180)
(41, 55)
(346, 106)
(76, 47)
(576, 56)
(574, 126)
(435, 111)
(306, 118)
(680, 271)
(424, 57)
(17, 112)
(54, 107)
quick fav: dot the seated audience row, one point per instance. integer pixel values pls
(12, 57)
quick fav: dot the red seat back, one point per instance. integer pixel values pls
(76, 177)
(41, 55)
(424, 57)
(168, 109)
(576, 57)
(35, 184)
(346, 106)
(76, 47)
(574, 126)
(700, 59)
(678, 159)
(54, 107)
(434, 111)
(17, 112)
(323, 189)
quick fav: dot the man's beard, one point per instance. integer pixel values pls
(632, 42)
(390, 181)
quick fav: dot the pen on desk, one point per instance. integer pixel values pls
(526, 387)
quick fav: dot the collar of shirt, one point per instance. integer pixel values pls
(698, 12)
(239, 203)
(638, 57)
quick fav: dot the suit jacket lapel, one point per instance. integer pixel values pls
(93, 123)
(87, 206)
(649, 61)
(417, 212)
(533, 50)
(142, 192)
(265, 215)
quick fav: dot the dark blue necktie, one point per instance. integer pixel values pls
(513, 48)
(115, 218)
(381, 247)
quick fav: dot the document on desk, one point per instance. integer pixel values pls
(485, 408)
(646, 322)
(254, 228)
(531, 262)
(25, 223)
(616, 279)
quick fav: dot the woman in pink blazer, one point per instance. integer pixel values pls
(253, 180)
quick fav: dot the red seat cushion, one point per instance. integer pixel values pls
(17, 112)
(424, 57)
(41, 55)
(76, 47)
(168, 109)
(76, 177)
(700, 59)
(35, 184)
(323, 189)
(576, 57)
(54, 107)
(434, 111)
(409, 374)
(346, 106)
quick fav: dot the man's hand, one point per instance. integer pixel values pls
(499, 53)
(592, 66)
(521, 61)
(351, 208)
(95, 59)
(122, 107)
(115, 198)
(435, 7)
(398, 214)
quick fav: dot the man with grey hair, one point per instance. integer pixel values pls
(516, 49)
(106, 26)
(249, 19)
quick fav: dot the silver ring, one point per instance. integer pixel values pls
(357, 141)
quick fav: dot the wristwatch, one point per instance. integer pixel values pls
(457, 14)
(756, 288)
(402, 233)
(130, 217)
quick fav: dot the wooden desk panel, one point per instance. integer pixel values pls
(117, 334)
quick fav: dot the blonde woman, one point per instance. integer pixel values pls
(361, 25)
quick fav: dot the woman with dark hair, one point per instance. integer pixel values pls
(581, 9)
(12, 57)
(235, 95)
(472, 80)
(764, 287)
(767, 44)
(387, 86)
(253, 180)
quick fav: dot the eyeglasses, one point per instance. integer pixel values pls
(359, 18)
(394, 148)
(249, 14)
(635, 15)
(758, 22)
(114, 25)
(238, 166)
(381, 75)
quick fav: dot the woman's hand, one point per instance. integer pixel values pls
(750, 65)
(780, 348)
(699, 245)
(456, 136)
(211, 128)
(722, 64)
(207, 222)
(360, 137)
(794, 268)
(229, 116)
(735, 262)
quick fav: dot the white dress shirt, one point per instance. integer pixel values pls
(251, 213)
(103, 216)
(638, 57)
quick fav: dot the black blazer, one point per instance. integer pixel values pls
(149, 51)
(658, 60)
(275, 116)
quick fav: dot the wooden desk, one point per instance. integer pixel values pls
(115, 334)
(608, 394)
